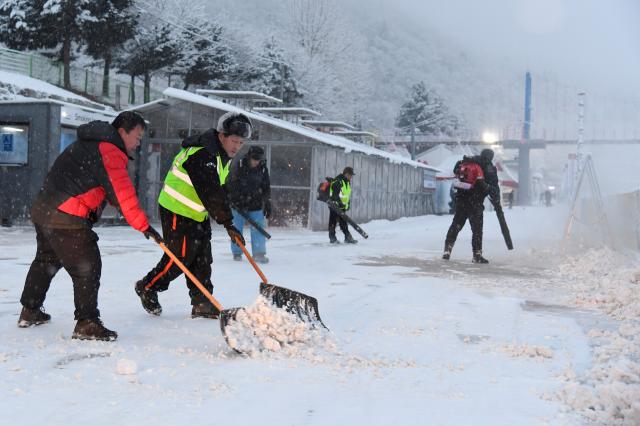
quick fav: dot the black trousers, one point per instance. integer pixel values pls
(190, 241)
(75, 250)
(334, 219)
(466, 208)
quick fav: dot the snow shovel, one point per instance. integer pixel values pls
(299, 304)
(190, 275)
(223, 313)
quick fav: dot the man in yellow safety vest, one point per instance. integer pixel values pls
(194, 189)
(340, 195)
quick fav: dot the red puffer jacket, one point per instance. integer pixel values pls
(88, 171)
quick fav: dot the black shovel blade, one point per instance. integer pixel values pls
(227, 316)
(299, 304)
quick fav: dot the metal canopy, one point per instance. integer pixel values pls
(243, 95)
(299, 111)
(327, 123)
(354, 133)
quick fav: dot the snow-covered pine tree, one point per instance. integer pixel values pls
(274, 75)
(46, 24)
(152, 48)
(204, 58)
(428, 110)
(116, 24)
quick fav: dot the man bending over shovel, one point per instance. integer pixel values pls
(194, 189)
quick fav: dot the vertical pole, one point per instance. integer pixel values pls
(413, 141)
(524, 149)
(30, 65)
(579, 145)
(282, 71)
(86, 80)
(526, 129)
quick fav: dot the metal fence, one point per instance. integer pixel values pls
(84, 80)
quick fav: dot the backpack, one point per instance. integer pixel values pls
(324, 188)
(468, 174)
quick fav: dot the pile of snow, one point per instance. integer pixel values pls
(262, 327)
(602, 279)
(609, 393)
(528, 351)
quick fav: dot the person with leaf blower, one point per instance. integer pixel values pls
(249, 190)
(87, 174)
(340, 196)
(477, 177)
(194, 188)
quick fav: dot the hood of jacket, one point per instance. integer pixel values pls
(101, 131)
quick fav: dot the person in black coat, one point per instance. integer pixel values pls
(87, 174)
(469, 203)
(249, 191)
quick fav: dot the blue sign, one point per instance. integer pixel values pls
(7, 142)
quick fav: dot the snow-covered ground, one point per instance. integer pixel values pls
(535, 337)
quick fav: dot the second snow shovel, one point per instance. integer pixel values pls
(223, 313)
(303, 306)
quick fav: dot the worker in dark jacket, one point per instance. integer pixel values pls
(477, 178)
(194, 189)
(249, 191)
(340, 196)
(91, 170)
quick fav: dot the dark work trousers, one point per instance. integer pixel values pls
(334, 219)
(75, 250)
(190, 241)
(471, 208)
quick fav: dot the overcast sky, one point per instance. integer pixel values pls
(591, 42)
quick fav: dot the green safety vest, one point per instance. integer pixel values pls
(345, 193)
(178, 194)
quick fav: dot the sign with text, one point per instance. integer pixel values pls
(14, 144)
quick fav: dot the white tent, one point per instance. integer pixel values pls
(434, 155)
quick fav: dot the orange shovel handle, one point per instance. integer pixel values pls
(191, 276)
(253, 262)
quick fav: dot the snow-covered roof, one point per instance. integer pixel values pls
(23, 88)
(240, 94)
(328, 123)
(325, 138)
(288, 110)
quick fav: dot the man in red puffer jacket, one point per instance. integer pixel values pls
(88, 173)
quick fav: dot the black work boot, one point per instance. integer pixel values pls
(29, 317)
(237, 257)
(204, 310)
(348, 239)
(447, 251)
(477, 258)
(149, 299)
(261, 258)
(93, 329)
(333, 239)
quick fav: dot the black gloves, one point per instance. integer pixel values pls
(152, 233)
(267, 209)
(234, 233)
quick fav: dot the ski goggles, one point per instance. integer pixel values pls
(237, 128)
